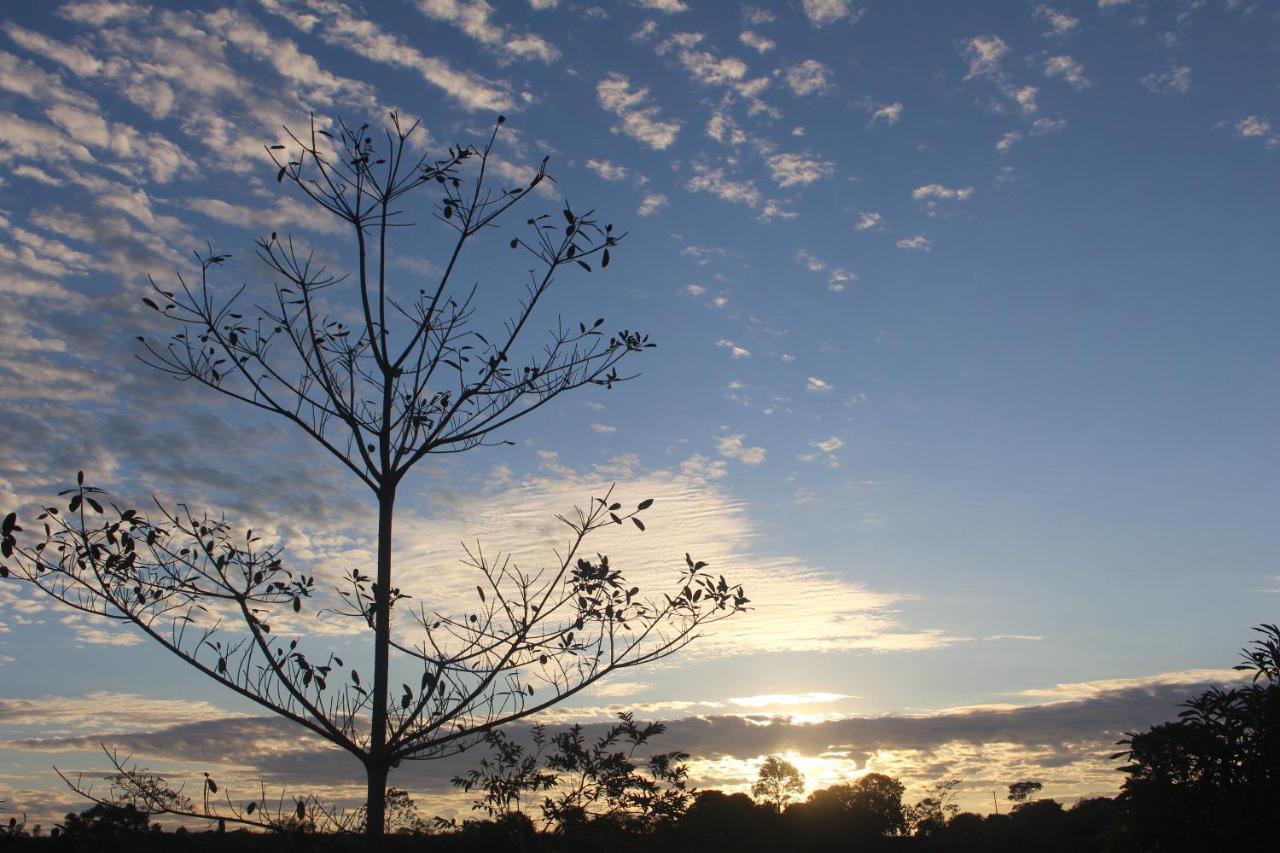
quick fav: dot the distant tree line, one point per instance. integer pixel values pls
(1209, 780)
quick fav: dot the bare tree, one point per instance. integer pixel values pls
(412, 376)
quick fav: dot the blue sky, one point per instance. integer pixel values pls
(966, 355)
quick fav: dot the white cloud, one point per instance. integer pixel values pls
(97, 13)
(810, 77)
(918, 243)
(716, 182)
(337, 25)
(614, 689)
(604, 428)
(983, 54)
(640, 119)
(812, 263)
(772, 699)
(668, 6)
(107, 712)
(722, 128)
(695, 289)
(1026, 98)
(475, 19)
(839, 278)
(938, 191)
(823, 12)
(76, 59)
(828, 445)
(37, 174)
(1252, 126)
(1044, 125)
(651, 204)
(289, 62)
(792, 170)
(757, 16)
(1176, 81)
(608, 170)
(757, 42)
(735, 351)
(932, 196)
(1257, 127)
(890, 113)
(1007, 141)
(816, 384)
(704, 66)
(868, 220)
(1068, 69)
(735, 447)
(1060, 23)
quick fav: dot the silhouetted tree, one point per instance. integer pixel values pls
(777, 783)
(101, 819)
(1206, 780)
(413, 376)
(869, 807)
(717, 820)
(930, 815)
(614, 780)
(1020, 792)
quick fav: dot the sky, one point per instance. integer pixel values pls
(966, 357)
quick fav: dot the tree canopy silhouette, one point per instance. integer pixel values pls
(1206, 779)
(414, 375)
(777, 783)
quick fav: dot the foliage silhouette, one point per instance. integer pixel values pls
(865, 809)
(413, 376)
(612, 783)
(1022, 791)
(101, 819)
(1209, 777)
(777, 783)
(930, 815)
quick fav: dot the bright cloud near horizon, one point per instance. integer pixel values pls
(966, 358)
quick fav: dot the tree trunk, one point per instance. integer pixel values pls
(376, 806)
(378, 762)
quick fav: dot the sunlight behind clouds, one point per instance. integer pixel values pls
(798, 607)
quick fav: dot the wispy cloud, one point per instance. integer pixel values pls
(641, 119)
(983, 54)
(475, 18)
(1060, 23)
(735, 351)
(651, 204)
(868, 220)
(755, 41)
(889, 114)
(608, 170)
(1175, 81)
(337, 24)
(735, 447)
(667, 6)
(1068, 69)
